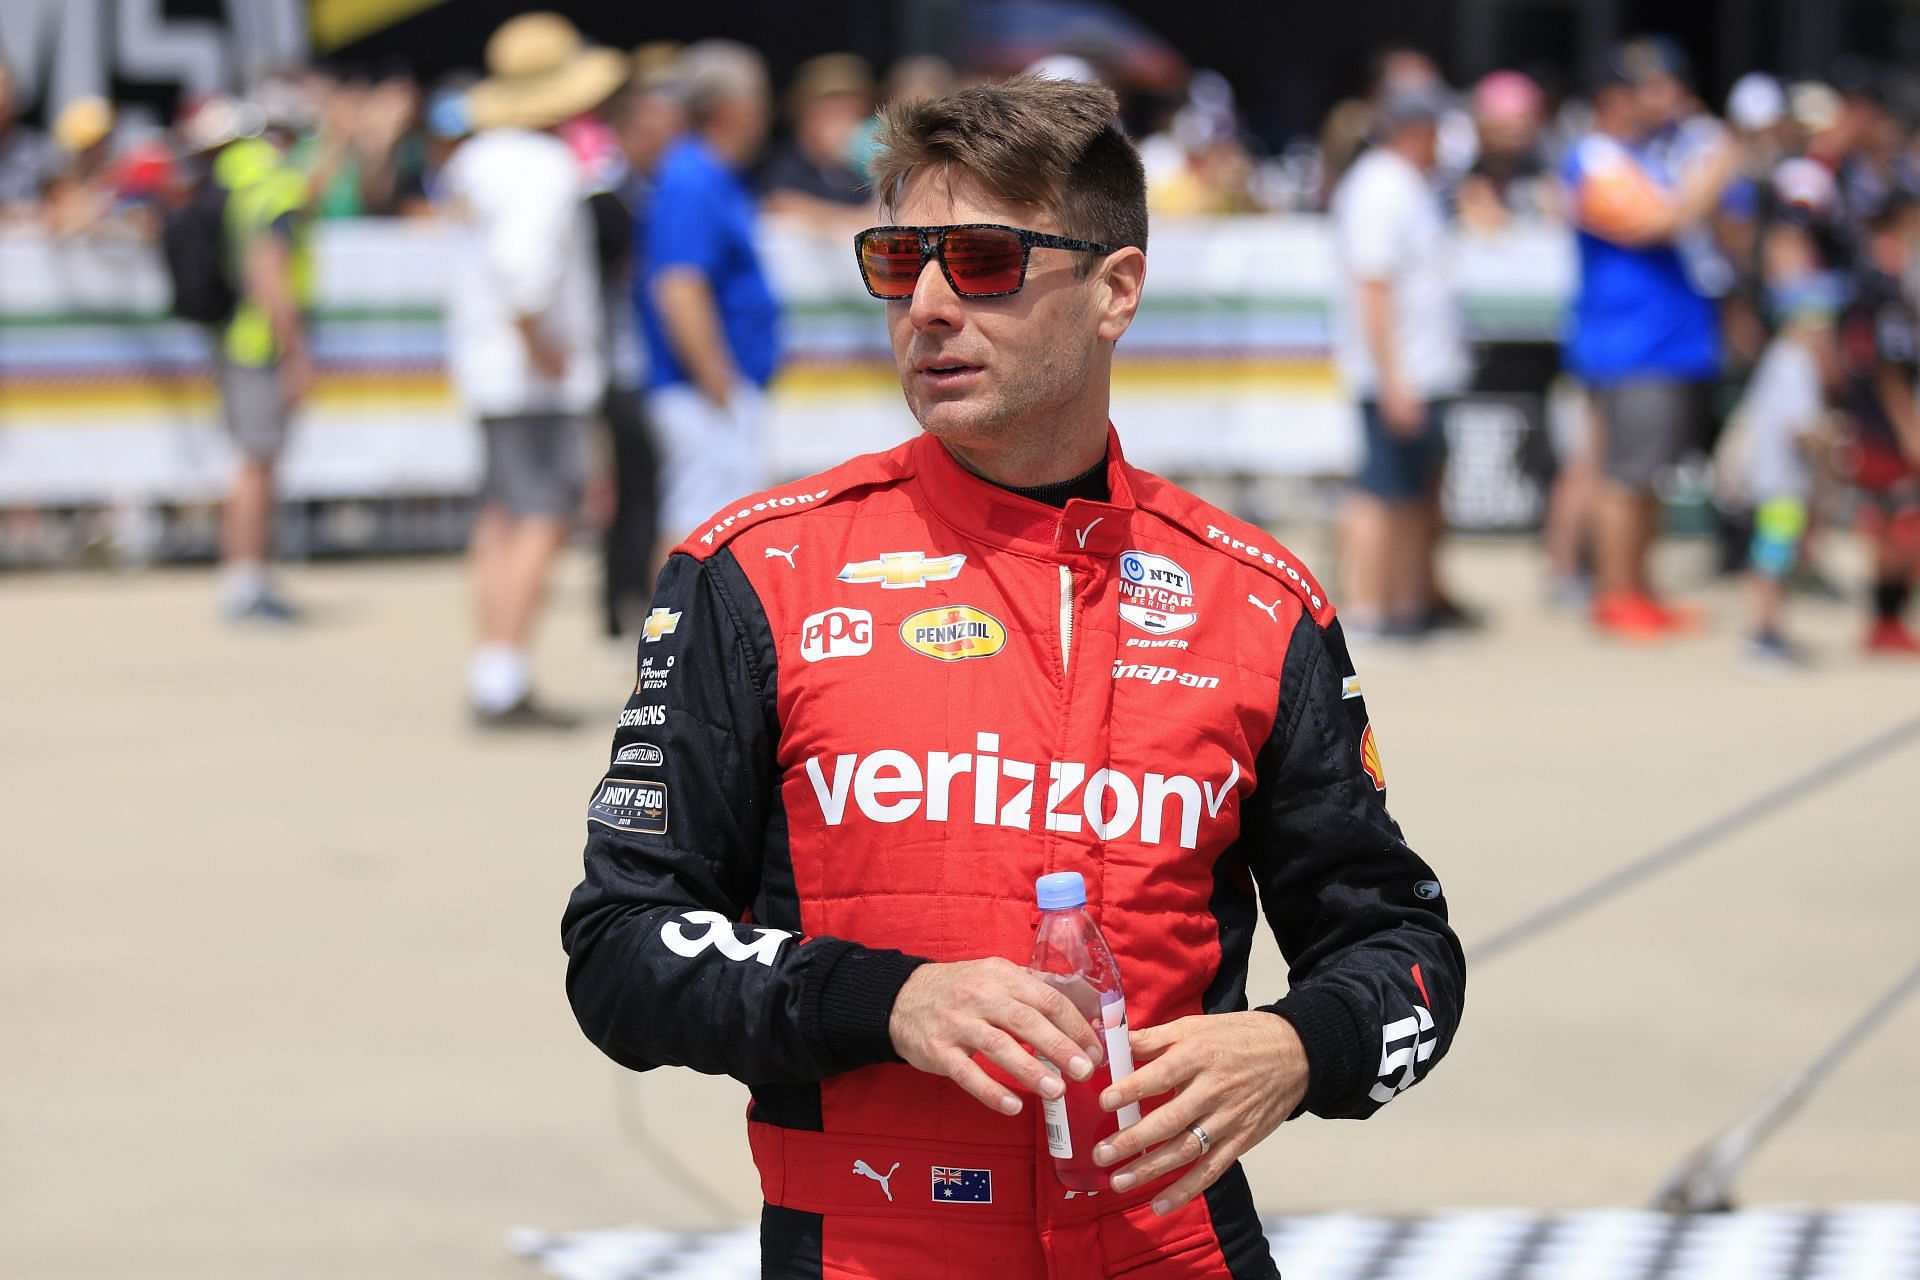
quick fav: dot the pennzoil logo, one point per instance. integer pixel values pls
(897, 570)
(1370, 759)
(953, 632)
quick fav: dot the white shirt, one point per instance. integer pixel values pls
(1387, 227)
(521, 245)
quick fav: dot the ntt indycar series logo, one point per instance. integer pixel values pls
(987, 790)
(1156, 595)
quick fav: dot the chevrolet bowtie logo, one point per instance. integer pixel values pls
(895, 569)
(660, 622)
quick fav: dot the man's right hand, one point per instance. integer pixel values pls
(948, 1012)
(547, 358)
(1404, 413)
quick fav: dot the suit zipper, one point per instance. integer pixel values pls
(1066, 619)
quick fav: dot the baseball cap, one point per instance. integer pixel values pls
(1643, 57)
(1411, 104)
(1815, 106)
(1756, 102)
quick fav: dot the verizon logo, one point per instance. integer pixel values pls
(982, 787)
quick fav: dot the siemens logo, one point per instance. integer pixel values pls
(892, 786)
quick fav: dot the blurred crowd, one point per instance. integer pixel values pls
(1745, 289)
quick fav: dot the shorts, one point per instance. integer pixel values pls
(253, 407)
(1400, 468)
(709, 457)
(1779, 527)
(536, 464)
(1648, 425)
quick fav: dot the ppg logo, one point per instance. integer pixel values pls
(837, 633)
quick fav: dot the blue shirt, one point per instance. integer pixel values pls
(1637, 314)
(701, 216)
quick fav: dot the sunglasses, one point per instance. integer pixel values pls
(979, 259)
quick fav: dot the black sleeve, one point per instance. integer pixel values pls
(1377, 979)
(662, 968)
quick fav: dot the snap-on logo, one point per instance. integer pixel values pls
(892, 786)
(1156, 595)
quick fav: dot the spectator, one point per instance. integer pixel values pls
(1511, 174)
(27, 159)
(914, 78)
(1771, 454)
(1398, 343)
(1206, 168)
(262, 356)
(815, 176)
(390, 149)
(524, 336)
(1643, 338)
(646, 117)
(1880, 355)
(83, 195)
(706, 309)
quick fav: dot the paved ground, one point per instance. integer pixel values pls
(281, 981)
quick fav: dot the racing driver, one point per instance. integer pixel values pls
(872, 706)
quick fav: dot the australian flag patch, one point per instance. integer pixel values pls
(962, 1186)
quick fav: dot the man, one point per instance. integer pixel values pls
(28, 160)
(1880, 364)
(263, 353)
(874, 705)
(1644, 335)
(645, 118)
(1399, 345)
(705, 306)
(813, 178)
(524, 336)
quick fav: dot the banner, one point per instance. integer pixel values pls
(1227, 370)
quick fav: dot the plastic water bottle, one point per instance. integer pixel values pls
(1071, 955)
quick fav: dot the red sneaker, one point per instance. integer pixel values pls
(1890, 636)
(1685, 618)
(1630, 615)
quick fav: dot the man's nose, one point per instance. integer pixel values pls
(934, 302)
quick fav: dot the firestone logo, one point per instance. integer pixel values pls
(770, 504)
(1253, 552)
(892, 786)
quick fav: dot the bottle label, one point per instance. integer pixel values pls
(1119, 1053)
(1059, 1135)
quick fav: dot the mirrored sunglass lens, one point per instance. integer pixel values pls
(984, 261)
(891, 263)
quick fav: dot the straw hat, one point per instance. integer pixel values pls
(540, 73)
(82, 123)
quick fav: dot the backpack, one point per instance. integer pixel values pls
(194, 243)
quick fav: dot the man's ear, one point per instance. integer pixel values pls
(1122, 276)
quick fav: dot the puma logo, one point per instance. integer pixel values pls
(1081, 534)
(786, 555)
(1264, 607)
(865, 1170)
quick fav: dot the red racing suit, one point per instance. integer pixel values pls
(871, 708)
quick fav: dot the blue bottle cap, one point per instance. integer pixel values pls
(1061, 890)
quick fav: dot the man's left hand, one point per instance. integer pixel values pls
(1235, 1075)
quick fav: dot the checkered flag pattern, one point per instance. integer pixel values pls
(1853, 1242)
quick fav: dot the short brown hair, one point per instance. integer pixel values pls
(1052, 144)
